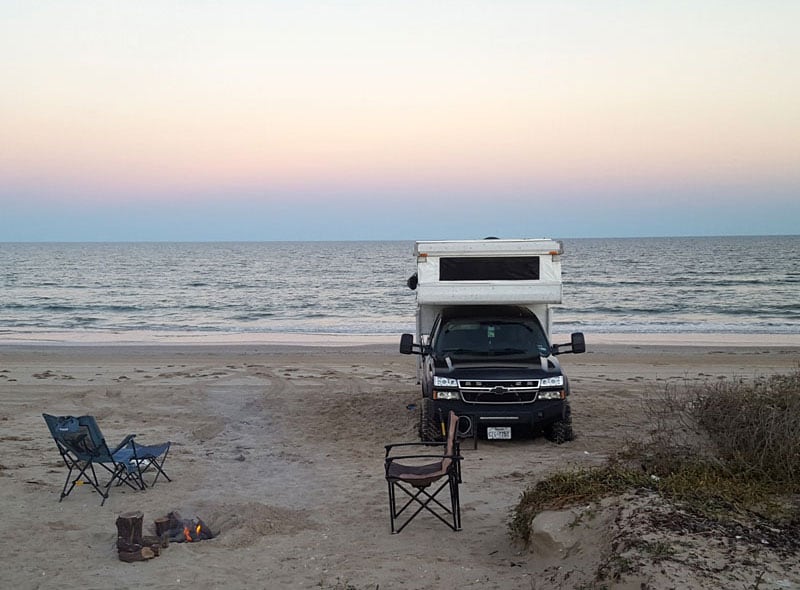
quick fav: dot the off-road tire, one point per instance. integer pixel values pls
(560, 431)
(429, 427)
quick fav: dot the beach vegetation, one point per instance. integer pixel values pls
(725, 454)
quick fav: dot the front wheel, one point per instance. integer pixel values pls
(430, 429)
(560, 431)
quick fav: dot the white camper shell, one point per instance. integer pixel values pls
(524, 272)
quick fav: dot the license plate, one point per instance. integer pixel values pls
(498, 433)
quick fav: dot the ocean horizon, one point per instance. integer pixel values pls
(156, 291)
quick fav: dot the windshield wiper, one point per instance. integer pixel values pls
(509, 351)
(459, 351)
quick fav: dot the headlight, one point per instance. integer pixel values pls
(551, 394)
(444, 382)
(439, 394)
(552, 381)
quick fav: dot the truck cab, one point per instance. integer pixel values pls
(484, 351)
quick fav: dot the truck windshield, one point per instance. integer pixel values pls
(470, 338)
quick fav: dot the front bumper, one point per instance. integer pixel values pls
(528, 417)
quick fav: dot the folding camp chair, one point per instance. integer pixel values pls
(416, 478)
(82, 446)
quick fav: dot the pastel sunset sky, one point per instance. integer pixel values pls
(311, 119)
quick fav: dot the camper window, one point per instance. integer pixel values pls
(489, 268)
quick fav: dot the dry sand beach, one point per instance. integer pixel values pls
(279, 448)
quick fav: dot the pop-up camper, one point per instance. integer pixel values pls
(483, 338)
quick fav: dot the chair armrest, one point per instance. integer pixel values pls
(414, 444)
(125, 442)
(438, 457)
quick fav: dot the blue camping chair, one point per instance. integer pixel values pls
(82, 447)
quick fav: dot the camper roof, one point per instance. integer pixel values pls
(489, 246)
(460, 272)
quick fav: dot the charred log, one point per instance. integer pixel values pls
(162, 525)
(182, 530)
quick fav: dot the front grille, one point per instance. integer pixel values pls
(499, 392)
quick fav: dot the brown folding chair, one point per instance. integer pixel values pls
(415, 475)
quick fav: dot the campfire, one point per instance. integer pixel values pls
(132, 545)
(182, 530)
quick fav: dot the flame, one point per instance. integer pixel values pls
(192, 534)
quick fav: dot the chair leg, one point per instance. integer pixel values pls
(394, 513)
(392, 507)
(95, 483)
(82, 474)
(140, 477)
(151, 461)
(159, 467)
(455, 502)
(425, 499)
(64, 491)
(72, 465)
(120, 474)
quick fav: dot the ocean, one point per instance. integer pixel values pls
(736, 285)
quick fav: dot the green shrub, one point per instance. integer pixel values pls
(755, 427)
(723, 451)
(569, 488)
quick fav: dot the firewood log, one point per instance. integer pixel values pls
(153, 542)
(129, 529)
(162, 525)
(124, 546)
(142, 554)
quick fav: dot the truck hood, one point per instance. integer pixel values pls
(489, 370)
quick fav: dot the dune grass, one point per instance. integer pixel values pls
(723, 451)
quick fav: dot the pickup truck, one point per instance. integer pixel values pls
(483, 324)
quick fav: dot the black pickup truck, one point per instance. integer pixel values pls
(495, 368)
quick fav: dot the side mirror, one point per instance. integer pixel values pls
(578, 343)
(407, 344)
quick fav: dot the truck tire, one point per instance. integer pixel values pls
(561, 431)
(429, 428)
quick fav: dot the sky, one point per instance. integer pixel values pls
(436, 119)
